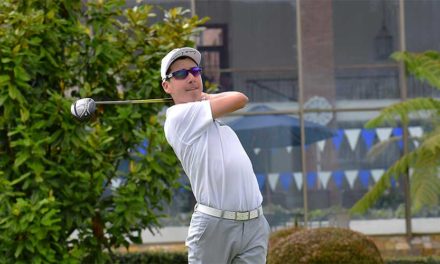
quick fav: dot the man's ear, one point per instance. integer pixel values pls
(166, 86)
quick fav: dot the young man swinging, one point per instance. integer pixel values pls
(228, 225)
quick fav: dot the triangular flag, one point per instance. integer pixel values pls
(337, 140)
(261, 178)
(257, 150)
(377, 174)
(368, 136)
(364, 176)
(273, 180)
(416, 143)
(298, 176)
(286, 180)
(398, 132)
(415, 131)
(393, 182)
(351, 176)
(321, 145)
(353, 137)
(311, 179)
(324, 176)
(289, 149)
(411, 172)
(383, 133)
(338, 177)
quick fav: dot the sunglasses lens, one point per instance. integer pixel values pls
(180, 74)
(195, 71)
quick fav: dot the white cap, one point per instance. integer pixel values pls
(177, 53)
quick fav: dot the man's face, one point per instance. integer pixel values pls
(186, 90)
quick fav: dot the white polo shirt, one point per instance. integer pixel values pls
(219, 170)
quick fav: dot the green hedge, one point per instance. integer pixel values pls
(414, 260)
(325, 245)
(152, 257)
(163, 257)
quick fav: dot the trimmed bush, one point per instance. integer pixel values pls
(279, 235)
(152, 257)
(181, 257)
(414, 260)
(325, 245)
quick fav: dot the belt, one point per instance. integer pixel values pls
(231, 215)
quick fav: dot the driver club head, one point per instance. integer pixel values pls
(83, 108)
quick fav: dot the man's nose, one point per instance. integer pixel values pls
(191, 77)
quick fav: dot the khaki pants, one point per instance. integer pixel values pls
(213, 240)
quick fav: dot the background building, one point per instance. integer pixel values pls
(295, 56)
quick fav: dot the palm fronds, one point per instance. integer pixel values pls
(425, 187)
(424, 66)
(401, 111)
(380, 148)
(398, 168)
(424, 161)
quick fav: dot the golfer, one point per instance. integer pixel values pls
(228, 225)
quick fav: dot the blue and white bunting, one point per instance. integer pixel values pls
(353, 137)
(338, 178)
(321, 179)
(324, 177)
(383, 133)
(377, 174)
(351, 176)
(286, 180)
(273, 180)
(337, 140)
(415, 132)
(321, 145)
(398, 133)
(311, 180)
(298, 177)
(257, 150)
(364, 177)
(261, 178)
(368, 136)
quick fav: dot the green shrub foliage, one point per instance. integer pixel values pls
(56, 205)
(423, 160)
(181, 257)
(414, 260)
(325, 245)
(280, 234)
(162, 257)
(171, 257)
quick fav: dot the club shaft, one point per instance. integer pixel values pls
(142, 101)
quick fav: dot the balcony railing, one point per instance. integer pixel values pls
(351, 83)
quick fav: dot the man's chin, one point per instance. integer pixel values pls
(190, 99)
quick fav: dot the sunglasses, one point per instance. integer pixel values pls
(182, 74)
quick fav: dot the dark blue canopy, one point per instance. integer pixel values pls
(276, 131)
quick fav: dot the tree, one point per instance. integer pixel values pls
(423, 161)
(56, 172)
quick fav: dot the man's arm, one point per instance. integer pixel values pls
(225, 103)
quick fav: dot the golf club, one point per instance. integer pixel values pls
(85, 107)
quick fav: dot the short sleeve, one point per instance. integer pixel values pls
(186, 122)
